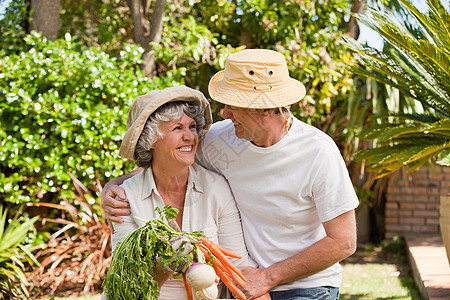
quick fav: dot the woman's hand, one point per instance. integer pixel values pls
(182, 245)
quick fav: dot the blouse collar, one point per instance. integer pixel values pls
(149, 185)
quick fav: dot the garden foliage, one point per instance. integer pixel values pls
(63, 109)
(416, 62)
(77, 254)
(13, 255)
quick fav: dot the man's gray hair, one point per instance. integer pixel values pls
(284, 109)
(151, 132)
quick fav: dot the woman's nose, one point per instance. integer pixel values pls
(189, 134)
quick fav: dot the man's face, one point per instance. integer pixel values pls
(248, 123)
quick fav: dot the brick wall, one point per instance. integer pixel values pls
(412, 201)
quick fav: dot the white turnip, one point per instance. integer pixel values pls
(207, 294)
(212, 291)
(200, 276)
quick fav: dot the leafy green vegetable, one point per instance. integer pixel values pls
(169, 212)
(136, 257)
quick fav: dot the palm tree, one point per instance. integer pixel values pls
(416, 61)
(13, 255)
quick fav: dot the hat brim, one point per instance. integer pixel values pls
(291, 92)
(155, 100)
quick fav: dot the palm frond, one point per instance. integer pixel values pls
(444, 158)
(421, 65)
(405, 117)
(413, 130)
(392, 31)
(13, 255)
(388, 159)
(395, 125)
(436, 23)
(376, 60)
(408, 76)
(429, 76)
(425, 153)
(386, 75)
(429, 65)
(416, 62)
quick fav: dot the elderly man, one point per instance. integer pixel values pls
(288, 178)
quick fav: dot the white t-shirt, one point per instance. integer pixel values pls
(284, 192)
(209, 207)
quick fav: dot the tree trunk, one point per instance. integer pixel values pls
(352, 26)
(145, 32)
(45, 17)
(245, 38)
(141, 26)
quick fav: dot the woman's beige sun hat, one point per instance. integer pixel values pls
(256, 78)
(146, 104)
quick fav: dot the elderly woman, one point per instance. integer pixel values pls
(163, 133)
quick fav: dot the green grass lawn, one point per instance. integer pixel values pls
(381, 272)
(377, 281)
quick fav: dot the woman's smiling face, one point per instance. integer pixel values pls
(179, 142)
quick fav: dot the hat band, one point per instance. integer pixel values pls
(255, 86)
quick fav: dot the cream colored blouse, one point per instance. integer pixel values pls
(209, 207)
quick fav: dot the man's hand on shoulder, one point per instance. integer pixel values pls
(113, 208)
(114, 202)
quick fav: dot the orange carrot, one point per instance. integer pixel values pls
(207, 254)
(188, 289)
(220, 256)
(228, 252)
(224, 250)
(236, 278)
(216, 252)
(205, 251)
(206, 242)
(223, 267)
(235, 290)
(217, 265)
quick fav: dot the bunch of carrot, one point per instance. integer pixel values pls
(216, 255)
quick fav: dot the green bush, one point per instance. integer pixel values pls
(63, 108)
(13, 25)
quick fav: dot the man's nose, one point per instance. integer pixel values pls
(226, 112)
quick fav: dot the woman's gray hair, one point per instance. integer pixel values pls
(151, 133)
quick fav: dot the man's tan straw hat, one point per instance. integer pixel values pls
(256, 78)
(146, 104)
